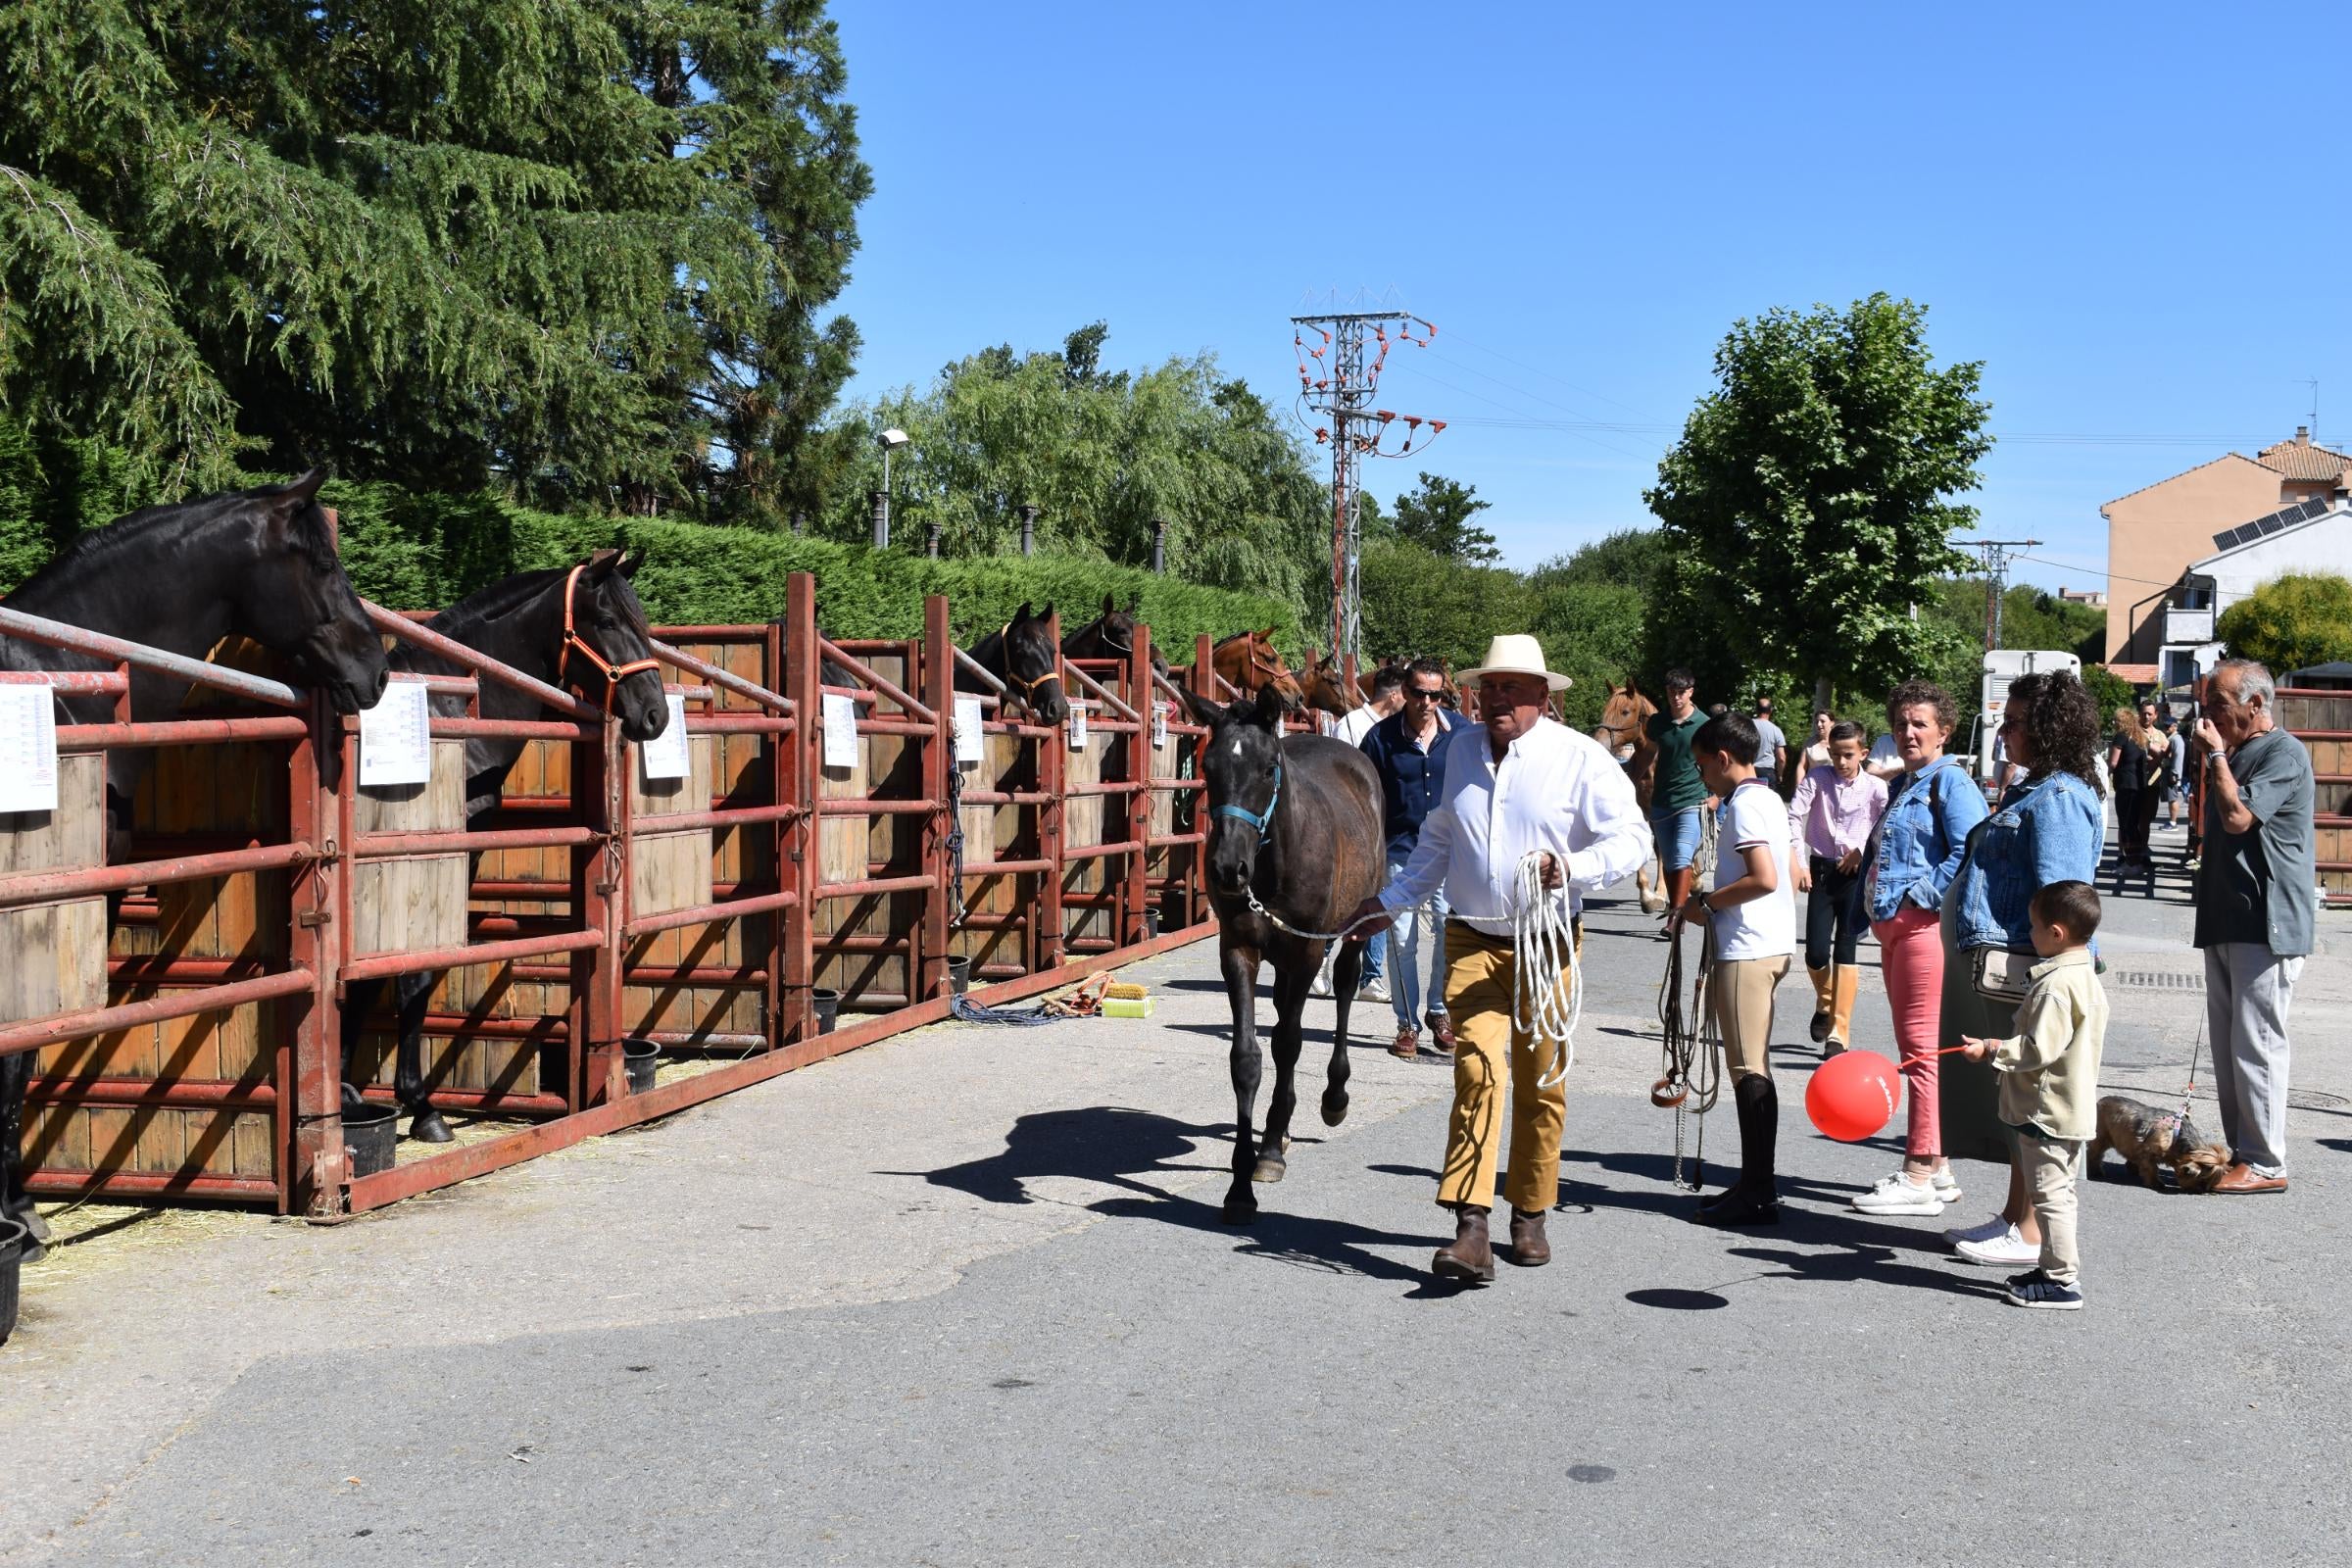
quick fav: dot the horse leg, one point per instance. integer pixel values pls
(1289, 1034)
(1241, 989)
(358, 1000)
(425, 1122)
(1343, 972)
(16, 1073)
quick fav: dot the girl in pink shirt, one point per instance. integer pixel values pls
(1830, 820)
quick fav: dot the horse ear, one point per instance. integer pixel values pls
(628, 564)
(1109, 608)
(1023, 613)
(1205, 709)
(1046, 614)
(306, 488)
(1271, 708)
(601, 563)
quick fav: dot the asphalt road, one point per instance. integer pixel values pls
(962, 1298)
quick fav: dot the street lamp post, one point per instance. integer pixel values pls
(889, 441)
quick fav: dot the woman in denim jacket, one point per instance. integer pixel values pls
(1921, 842)
(2050, 827)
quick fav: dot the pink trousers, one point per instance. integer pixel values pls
(1911, 960)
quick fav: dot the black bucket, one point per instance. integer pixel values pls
(639, 1059)
(959, 974)
(371, 1133)
(13, 1240)
(827, 1003)
(1150, 923)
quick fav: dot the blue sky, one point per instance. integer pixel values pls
(2134, 217)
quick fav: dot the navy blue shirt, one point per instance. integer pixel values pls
(1410, 778)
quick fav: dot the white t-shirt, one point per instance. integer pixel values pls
(1765, 927)
(1886, 758)
(1355, 724)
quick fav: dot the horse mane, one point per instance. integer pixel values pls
(96, 548)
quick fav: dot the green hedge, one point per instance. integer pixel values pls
(416, 550)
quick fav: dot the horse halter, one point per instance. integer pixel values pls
(1005, 637)
(1261, 820)
(572, 639)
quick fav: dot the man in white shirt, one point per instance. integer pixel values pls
(1517, 785)
(1885, 760)
(1387, 696)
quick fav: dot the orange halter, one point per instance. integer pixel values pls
(611, 672)
(1005, 640)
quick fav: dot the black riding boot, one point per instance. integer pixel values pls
(1755, 1199)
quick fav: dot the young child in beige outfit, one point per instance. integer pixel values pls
(2050, 1083)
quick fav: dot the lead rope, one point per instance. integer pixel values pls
(1690, 1062)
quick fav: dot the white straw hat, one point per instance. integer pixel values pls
(1516, 653)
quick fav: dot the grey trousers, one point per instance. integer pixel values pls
(2247, 992)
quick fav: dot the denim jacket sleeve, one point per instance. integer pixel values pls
(1963, 807)
(2052, 830)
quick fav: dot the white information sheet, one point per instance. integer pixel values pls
(27, 748)
(396, 737)
(667, 754)
(1077, 726)
(970, 737)
(1160, 726)
(841, 731)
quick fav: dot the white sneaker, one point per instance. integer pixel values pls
(1375, 989)
(1981, 1231)
(1946, 1184)
(1321, 984)
(1899, 1195)
(2005, 1250)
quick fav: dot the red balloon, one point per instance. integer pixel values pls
(1853, 1095)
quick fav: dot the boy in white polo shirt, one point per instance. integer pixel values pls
(1751, 915)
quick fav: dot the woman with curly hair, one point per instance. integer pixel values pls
(2049, 827)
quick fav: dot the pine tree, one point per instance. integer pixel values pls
(577, 245)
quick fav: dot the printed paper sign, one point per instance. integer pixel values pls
(667, 754)
(841, 731)
(969, 738)
(396, 737)
(27, 748)
(1160, 726)
(1077, 726)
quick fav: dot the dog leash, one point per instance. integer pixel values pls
(2193, 1052)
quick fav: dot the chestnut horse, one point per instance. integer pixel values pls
(1623, 728)
(1248, 661)
(1326, 690)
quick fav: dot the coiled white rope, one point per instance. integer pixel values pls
(1548, 990)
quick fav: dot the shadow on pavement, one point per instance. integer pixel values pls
(1109, 1143)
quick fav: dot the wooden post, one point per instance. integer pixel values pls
(316, 1171)
(600, 791)
(939, 758)
(1205, 684)
(803, 685)
(780, 840)
(1051, 769)
(1144, 699)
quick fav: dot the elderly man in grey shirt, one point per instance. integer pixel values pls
(2256, 896)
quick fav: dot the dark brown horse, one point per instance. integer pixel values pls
(1022, 655)
(579, 627)
(1250, 663)
(1109, 635)
(260, 564)
(1294, 845)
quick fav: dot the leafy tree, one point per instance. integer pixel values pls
(2292, 621)
(1103, 456)
(1630, 558)
(582, 244)
(1418, 604)
(1808, 503)
(1437, 516)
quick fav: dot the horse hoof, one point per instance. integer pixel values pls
(1334, 1111)
(1268, 1169)
(1239, 1212)
(429, 1128)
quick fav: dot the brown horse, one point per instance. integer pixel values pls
(1247, 660)
(1623, 728)
(1325, 688)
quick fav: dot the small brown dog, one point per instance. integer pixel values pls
(2147, 1137)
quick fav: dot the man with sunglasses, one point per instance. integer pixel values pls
(1407, 749)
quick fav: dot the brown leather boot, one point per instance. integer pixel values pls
(1529, 1248)
(1441, 1033)
(1472, 1255)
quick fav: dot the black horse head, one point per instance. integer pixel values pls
(294, 599)
(608, 655)
(1109, 635)
(1033, 663)
(1242, 763)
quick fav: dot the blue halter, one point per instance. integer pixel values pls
(1261, 820)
